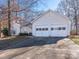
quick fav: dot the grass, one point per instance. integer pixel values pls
(75, 39)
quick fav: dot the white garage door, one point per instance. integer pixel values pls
(42, 31)
(53, 31)
(58, 30)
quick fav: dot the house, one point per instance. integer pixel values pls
(26, 28)
(20, 26)
(15, 27)
(51, 24)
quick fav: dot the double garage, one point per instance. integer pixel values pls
(51, 24)
(50, 30)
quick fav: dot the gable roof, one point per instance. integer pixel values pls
(48, 12)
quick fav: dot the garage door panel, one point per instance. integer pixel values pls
(40, 33)
(58, 30)
(42, 30)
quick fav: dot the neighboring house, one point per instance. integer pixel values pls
(26, 28)
(18, 27)
(15, 27)
(51, 24)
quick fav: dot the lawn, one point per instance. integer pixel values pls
(75, 39)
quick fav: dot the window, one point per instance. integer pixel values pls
(63, 28)
(43, 29)
(40, 29)
(37, 29)
(52, 28)
(46, 28)
(59, 28)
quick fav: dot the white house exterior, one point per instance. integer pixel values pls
(26, 29)
(51, 24)
(17, 28)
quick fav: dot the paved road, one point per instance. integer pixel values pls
(25, 45)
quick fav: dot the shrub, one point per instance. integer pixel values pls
(29, 34)
(5, 31)
(22, 34)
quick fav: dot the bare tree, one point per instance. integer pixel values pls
(15, 8)
(70, 8)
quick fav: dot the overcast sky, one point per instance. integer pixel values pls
(47, 4)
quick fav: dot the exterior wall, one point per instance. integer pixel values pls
(26, 29)
(52, 19)
(50, 33)
(15, 28)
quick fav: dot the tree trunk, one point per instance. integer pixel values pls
(9, 14)
(76, 25)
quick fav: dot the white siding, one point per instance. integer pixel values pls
(51, 19)
(15, 28)
(26, 29)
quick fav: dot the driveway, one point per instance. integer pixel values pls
(44, 48)
(38, 41)
(25, 45)
(28, 42)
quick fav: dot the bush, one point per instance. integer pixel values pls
(29, 34)
(22, 34)
(5, 31)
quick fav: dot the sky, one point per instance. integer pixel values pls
(45, 4)
(49, 4)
